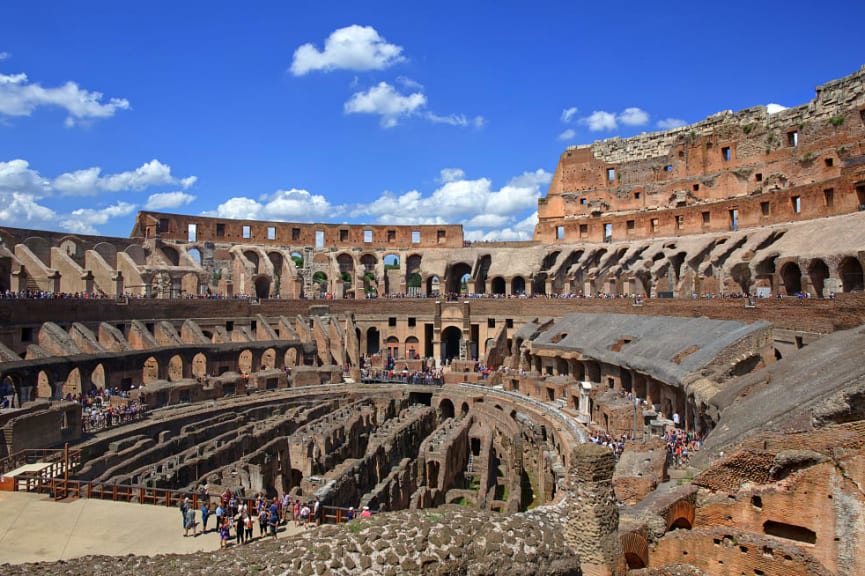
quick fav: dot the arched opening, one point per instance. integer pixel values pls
(850, 271)
(189, 284)
(412, 348)
(290, 357)
(8, 393)
(171, 255)
(268, 359)
(98, 379)
(458, 278)
(262, 287)
(43, 386)
(199, 365)
(175, 368)
(414, 284)
(195, 255)
(818, 271)
(446, 409)
(320, 279)
(392, 346)
(680, 523)
(244, 361)
(464, 409)
(518, 285)
(791, 275)
(498, 286)
(451, 339)
(297, 258)
(69, 247)
(433, 286)
(634, 561)
(150, 371)
(252, 256)
(373, 341)
(391, 261)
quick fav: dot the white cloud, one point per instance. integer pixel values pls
(89, 181)
(774, 108)
(568, 114)
(451, 174)
(600, 120)
(19, 97)
(408, 83)
(670, 123)
(21, 210)
(17, 177)
(521, 231)
(167, 200)
(85, 220)
(567, 134)
(633, 117)
(350, 48)
(293, 205)
(386, 102)
(5, 56)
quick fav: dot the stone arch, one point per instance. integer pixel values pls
(320, 279)
(43, 387)
(268, 359)
(190, 284)
(392, 345)
(498, 286)
(297, 258)
(680, 515)
(450, 342)
(433, 286)
(446, 408)
(98, 379)
(194, 255)
(108, 252)
(464, 409)
(172, 255)
(791, 276)
(199, 365)
(252, 256)
(518, 285)
(458, 278)
(150, 370)
(161, 285)
(175, 368)
(636, 550)
(262, 287)
(818, 271)
(136, 253)
(850, 272)
(244, 361)
(373, 341)
(40, 247)
(413, 278)
(412, 347)
(291, 357)
(70, 247)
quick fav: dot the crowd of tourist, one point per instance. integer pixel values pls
(680, 445)
(236, 516)
(99, 412)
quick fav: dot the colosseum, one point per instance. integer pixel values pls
(667, 379)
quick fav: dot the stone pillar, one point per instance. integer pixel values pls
(592, 527)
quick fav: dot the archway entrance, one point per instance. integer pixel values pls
(850, 271)
(792, 277)
(373, 341)
(451, 339)
(262, 287)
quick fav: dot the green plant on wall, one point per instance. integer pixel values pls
(217, 276)
(836, 120)
(747, 128)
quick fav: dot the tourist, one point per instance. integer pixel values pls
(183, 505)
(249, 522)
(304, 515)
(296, 512)
(189, 524)
(286, 507)
(316, 512)
(365, 513)
(224, 532)
(262, 521)
(273, 522)
(240, 528)
(205, 515)
(220, 514)
(350, 515)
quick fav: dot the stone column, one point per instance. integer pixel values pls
(592, 527)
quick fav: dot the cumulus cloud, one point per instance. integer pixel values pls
(601, 120)
(484, 211)
(16, 176)
(567, 134)
(293, 205)
(670, 123)
(90, 181)
(386, 102)
(633, 117)
(23, 210)
(168, 200)
(521, 231)
(85, 220)
(568, 114)
(350, 48)
(20, 97)
(773, 108)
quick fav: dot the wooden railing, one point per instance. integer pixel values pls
(35, 455)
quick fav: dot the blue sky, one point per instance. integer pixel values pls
(368, 112)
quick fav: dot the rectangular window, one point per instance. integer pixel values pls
(391, 321)
(509, 323)
(611, 174)
(271, 232)
(583, 201)
(696, 187)
(319, 238)
(584, 230)
(27, 334)
(441, 236)
(829, 162)
(412, 322)
(630, 225)
(707, 217)
(793, 138)
(192, 233)
(560, 232)
(367, 236)
(163, 225)
(415, 236)
(797, 204)
(764, 208)
(608, 232)
(391, 235)
(343, 235)
(668, 168)
(734, 219)
(725, 152)
(491, 322)
(295, 233)
(829, 197)
(247, 232)
(637, 195)
(758, 177)
(654, 223)
(220, 230)
(680, 222)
